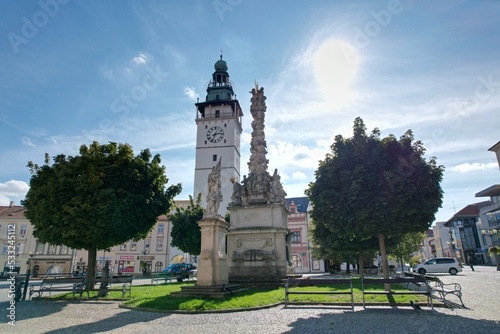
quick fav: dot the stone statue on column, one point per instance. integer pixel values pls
(214, 195)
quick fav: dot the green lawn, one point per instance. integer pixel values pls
(158, 297)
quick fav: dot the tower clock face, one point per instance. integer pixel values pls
(215, 134)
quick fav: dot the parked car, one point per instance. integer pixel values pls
(406, 268)
(181, 270)
(439, 265)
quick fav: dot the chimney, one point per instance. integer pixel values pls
(11, 205)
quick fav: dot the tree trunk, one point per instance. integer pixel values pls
(347, 270)
(497, 260)
(89, 282)
(385, 264)
(361, 266)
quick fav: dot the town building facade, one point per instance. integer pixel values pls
(301, 248)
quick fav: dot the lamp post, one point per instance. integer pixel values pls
(144, 263)
(28, 273)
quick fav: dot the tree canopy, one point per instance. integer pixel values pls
(186, 233)
(371, 187)
(101, 198)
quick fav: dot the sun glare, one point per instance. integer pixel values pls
(335, 63)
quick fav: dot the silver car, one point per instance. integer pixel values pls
(439, 265)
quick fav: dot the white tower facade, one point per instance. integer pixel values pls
(218, 121)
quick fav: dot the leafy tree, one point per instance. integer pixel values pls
(372, 187)
(406, 245)
(186, 233)
(334, 243)
(101, 198)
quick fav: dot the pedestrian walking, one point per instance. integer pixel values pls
(471, 262)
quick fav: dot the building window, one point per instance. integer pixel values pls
(20, 248)
(147, 244)
(23, 231)
(160, 228)
(214, 157)
(39, 247)
(159, 244)
(63, 250)
(158, 266)
(217, 112)
(123, 247)
(296, 260)
(295, 238)
(52, 249)
(133, 245)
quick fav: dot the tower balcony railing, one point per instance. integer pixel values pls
(214, 84)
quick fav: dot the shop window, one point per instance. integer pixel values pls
(158, 266)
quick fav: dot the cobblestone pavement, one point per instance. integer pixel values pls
(481, 294)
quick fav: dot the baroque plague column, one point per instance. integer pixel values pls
(258, 237)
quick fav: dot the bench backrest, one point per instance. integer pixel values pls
(414, 279)
(118, 279)
(318, 281)
(63, 280)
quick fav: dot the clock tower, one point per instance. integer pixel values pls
(218, 122)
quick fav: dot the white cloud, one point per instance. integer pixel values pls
(27, 141)
(12, 191)
(299, 176)
(191, 93)
(473, 167)
(141, 59)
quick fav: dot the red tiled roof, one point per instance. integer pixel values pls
(472, 209)
(12, 211)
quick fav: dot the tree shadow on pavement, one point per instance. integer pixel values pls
(28, 309)
(392, 320)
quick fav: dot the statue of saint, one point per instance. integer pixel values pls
(236, 196)
(214, 196)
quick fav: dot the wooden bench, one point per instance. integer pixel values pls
(125, 283)
(59, 284)
(405, 281)
(444, 290)
(294, 282)
(159, 276)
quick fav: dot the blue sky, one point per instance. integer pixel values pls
(130, 71)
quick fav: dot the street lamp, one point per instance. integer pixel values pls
(144, 263)
(28, 273)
